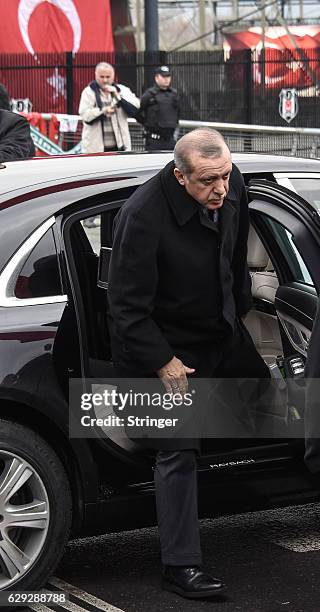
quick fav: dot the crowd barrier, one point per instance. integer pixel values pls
(60, 134)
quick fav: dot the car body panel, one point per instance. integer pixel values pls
(43, 343)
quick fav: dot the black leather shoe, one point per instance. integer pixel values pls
(190, 582)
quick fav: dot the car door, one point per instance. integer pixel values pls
(290, 231)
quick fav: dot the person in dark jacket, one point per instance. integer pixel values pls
(15, 139)
(159, 112)
(178, 287)
(4, 98)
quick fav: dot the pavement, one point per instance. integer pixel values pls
(269, 560)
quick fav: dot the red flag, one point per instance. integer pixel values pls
(285, 66)
(55, 25)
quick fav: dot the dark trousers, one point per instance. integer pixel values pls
(175, 479)
(176, 471)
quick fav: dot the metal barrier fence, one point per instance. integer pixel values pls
(238, 87)
(302, 142)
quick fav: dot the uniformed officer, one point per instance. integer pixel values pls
(159, 112)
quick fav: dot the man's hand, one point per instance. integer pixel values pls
(112, 90)
(174, 376)
(109, 88)
(108, 110)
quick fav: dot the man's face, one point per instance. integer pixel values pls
(162, 81)
(208, 183)
(104, 77)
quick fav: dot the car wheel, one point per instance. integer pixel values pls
(35, 508)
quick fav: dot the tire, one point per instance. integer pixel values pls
(32, 477)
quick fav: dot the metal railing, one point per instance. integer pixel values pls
(302, 142)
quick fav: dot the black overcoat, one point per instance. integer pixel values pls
(15, 138)
(174, 280)
(177, 282)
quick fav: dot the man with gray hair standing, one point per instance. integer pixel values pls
(178, 287)
(104, 109)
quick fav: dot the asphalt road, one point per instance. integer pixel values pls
(270, 561)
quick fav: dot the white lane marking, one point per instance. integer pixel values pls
(67, 605)
(39, 608)
(83, 596)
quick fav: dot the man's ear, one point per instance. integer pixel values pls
(179, 176)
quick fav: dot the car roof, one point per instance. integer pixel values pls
(34, 172)
(32, 191)
(30, 173)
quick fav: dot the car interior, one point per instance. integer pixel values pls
(271, 329)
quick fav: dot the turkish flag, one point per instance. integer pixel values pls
(285, 66)
(37, 26)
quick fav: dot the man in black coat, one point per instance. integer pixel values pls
(178, 287)
(15, 138)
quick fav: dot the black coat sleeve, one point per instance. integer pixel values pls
(129, 108)
(242, 280)
(15, 138)
(147, 100)
(133, 281)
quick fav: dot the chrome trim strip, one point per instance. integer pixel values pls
(9, 274)
(303, 334)
(295, 308)
(289, 175)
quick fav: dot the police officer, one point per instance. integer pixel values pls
(159, 112)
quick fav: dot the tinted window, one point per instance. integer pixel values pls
(293, 257)
(39, 276)
(309, 189)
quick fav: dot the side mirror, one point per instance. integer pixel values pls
(103, 267)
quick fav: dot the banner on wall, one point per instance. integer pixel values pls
(44, 26)
(290, 61)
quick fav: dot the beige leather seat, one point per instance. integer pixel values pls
(263, 277)
(263, 326)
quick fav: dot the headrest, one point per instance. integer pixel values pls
(257, 254)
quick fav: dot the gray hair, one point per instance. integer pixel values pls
(205, 141)
(103, 65)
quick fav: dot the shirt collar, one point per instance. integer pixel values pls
(183, 205)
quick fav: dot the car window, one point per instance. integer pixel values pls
(293, 257)
(309, 189)
(93, 232)
(39, 275)
(98, 229)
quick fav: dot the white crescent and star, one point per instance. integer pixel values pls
(27, 7)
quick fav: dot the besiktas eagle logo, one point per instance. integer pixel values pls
(288, 105)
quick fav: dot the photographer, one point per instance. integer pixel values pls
(104, 108)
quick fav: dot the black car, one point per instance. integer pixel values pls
(53, 328)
